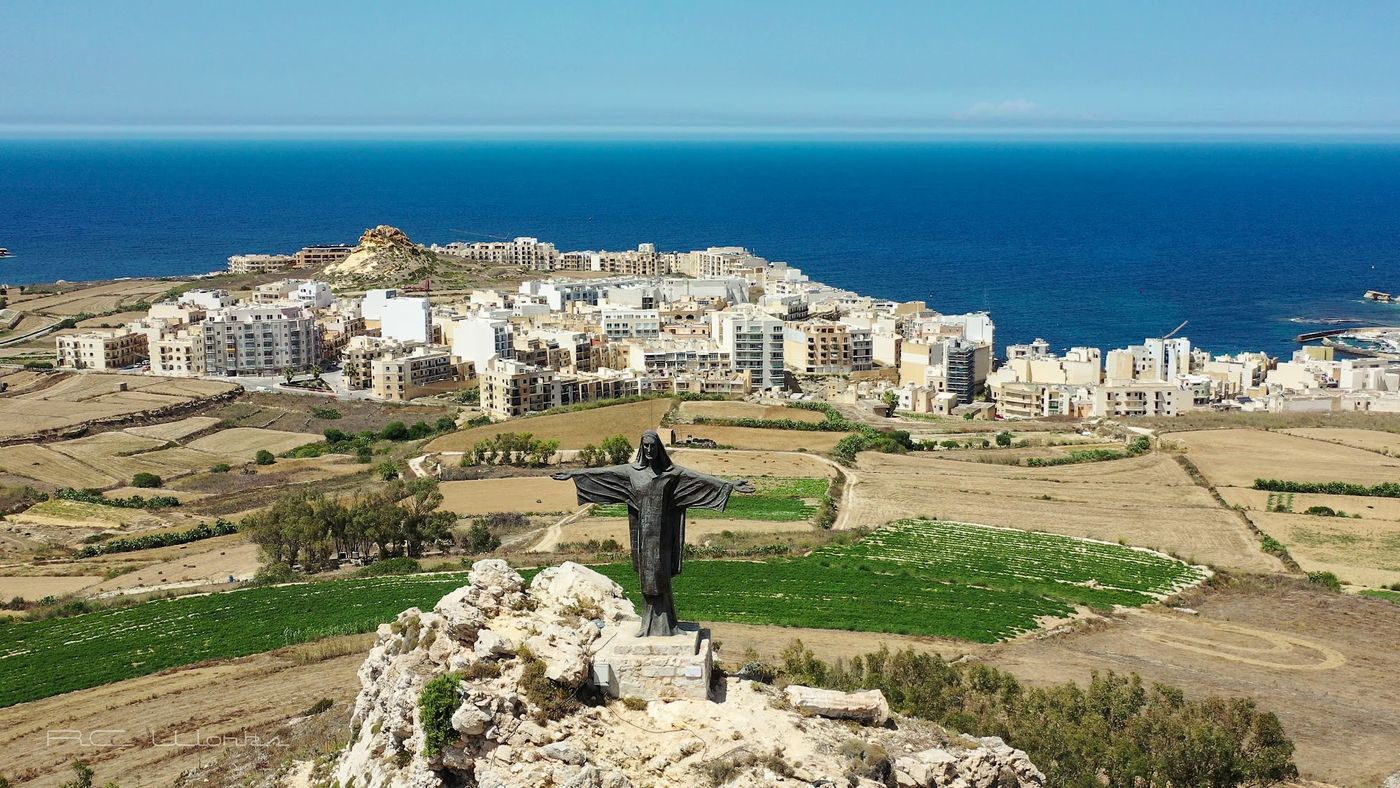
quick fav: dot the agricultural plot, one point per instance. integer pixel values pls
(746, 410)
(116, 453)
(761, 438)
(1147, 501)
(1370, 508)
(97, 298)
(774, 499)
(1236, 457)
(1362, 551)
(174, 430)
(50, 467)
(1371, 440)
(244, 442)
(573, 430)
(79, 398)
(927, 578)
(519, 494)
(696, 531)
(43, 658)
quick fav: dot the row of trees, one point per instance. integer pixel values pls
(614, 450)
(400, 518)
(511, 448)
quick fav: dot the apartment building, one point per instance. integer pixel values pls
(106, 349)
(574, 389)
(754, 341)
(406, 320)
(260, 340)
(673, 357)
(531, 253)
(1142, 398)
(511, 388)
(478, 339)
(207, 299)
(403, 375)
(319, 255)
(824, 347)
(357, 360)
(178, 355)
(259, 263)
(630, 323)
(720, 262)
(642, 261)
(965, 368)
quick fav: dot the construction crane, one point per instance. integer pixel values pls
(1174, 331)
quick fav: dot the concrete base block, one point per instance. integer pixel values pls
(655, 668)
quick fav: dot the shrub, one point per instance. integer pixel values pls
(325, 413)
(264, 457)
(1140, 445)
(551, 699)
(445, 424)
(1323, 511)
(1327, 580)
(145, 480)
(221, 467)
(220, 527)
(479, 538)
(394, 431)
(436, 704)
(38, 365)
(1383, 490)
(826, 513)
(387, 470)
(1003, 439)
(320, 706)
(333, 435)
(634, 703)
(364, 455)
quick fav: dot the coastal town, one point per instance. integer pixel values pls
(586, 326)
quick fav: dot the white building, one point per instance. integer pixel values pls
(260, 340)
(630, 323)
(479, 339)
(754, 340)
(372, 305)
(206, 299)
(406, 320)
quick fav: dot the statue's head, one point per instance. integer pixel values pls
(651, 452)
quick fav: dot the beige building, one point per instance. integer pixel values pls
(1140, 399)
(260, 340)
(178, 355)
(106, 349)
(259, 263)
(325, 254)
(823, 347)
(402, 376)
(510, 389)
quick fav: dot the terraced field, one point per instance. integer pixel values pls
(779, 499)
(916, 577)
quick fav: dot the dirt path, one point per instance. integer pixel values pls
(550, 541)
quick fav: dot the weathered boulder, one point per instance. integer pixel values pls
(867, 706)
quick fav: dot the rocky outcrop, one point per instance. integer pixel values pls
(868, 707)
(515, 709)
(384, 256)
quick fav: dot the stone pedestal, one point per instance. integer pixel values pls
(655, 668)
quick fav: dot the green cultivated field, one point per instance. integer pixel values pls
(775, 498)
(1390, 596)
(913, 577)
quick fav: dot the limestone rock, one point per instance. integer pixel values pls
(868, 706)
(505, 734)
(385, 255)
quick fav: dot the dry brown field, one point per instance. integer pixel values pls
(1146, 501)
(517, 494)
(208, 562)
(36, 587)
(82, 397)
(1365, 552)
(97, 298)
(118, 319)
(245, 442)
(116, 453)
(751, 438)
(1372, 440)
(696, 531)
(174, 430)
(750, 464)
(1325, 663)
(254, 695)
(1370, 508)
(50, 467)
(81, 514)
(292, 413)
(573, 430)
(1237, 457)
(746, 410)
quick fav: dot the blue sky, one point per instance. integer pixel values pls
(802, 66)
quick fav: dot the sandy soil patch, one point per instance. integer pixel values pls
(97, 298)
(696, 531)
(519, 494)
(174, 430)
(112, 321)
(82, 397)
(37, 587)
(750, 438)
(572, 430)
(209, 562)
(747, 410)
(117, 453)
(45, 465)
(245, 442)
(1366, 552)
(1237, 457)
(828, 644)
(1146, 501)
(252, 695)
(1372, 440)
(1369, 508)
(1301, 654)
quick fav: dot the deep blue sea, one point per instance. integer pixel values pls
(1078, 242)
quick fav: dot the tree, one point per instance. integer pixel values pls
(264, 457)
(616, 449)
(1003, 439)
(364, 455)
(394, 431)
(479, 538)
(446, 424)
(316, 371)
(82, 775)
(590, 456)
(891, 398)
(288, 373)
(146, 480)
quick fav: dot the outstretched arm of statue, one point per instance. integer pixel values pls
(743, 486)
(562, 476)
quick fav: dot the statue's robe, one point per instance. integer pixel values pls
(656, 504)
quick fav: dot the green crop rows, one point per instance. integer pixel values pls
(775, 498)
(45, 658)
(914, 577)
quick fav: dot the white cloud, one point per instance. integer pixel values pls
(1010, 108)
